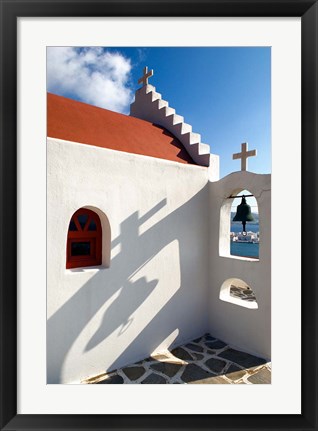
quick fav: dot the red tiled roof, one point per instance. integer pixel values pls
(75, 121)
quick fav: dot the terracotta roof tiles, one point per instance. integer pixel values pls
(75, 121)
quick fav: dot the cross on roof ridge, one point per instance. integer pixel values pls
(243, 155)
(146, 76)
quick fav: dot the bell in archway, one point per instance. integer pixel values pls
(243, 213)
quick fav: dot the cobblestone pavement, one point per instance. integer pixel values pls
(205, 360)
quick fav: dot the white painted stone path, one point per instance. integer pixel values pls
(205, 360)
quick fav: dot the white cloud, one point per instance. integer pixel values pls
(92, 75)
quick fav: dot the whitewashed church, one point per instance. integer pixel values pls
(138, 239)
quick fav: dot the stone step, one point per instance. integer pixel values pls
(167, 111)
(174, 119)
(182, 128)
(154, 95)
(159, 103)
(203, 149)
(192, 138)
(147, 89)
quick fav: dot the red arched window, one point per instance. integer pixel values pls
(84, 240)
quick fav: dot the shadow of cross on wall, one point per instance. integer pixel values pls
(71, 319)
(132, 293)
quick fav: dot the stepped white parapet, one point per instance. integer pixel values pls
(149, 106)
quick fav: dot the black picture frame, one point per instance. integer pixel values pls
(10, 11)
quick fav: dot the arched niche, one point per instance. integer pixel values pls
(238, 292)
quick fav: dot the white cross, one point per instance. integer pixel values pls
(147, 75)
(244, 155)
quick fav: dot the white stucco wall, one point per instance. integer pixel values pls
(153, 294)
(248, 329)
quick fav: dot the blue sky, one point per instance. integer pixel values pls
(224, 93)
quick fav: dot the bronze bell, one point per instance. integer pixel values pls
(243, 213)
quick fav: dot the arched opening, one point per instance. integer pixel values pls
(237, 291)
(244, 243)
(84, 240)
(233, 240)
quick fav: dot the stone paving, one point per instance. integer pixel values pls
(205, 360)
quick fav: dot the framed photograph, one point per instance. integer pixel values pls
(58, 302)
